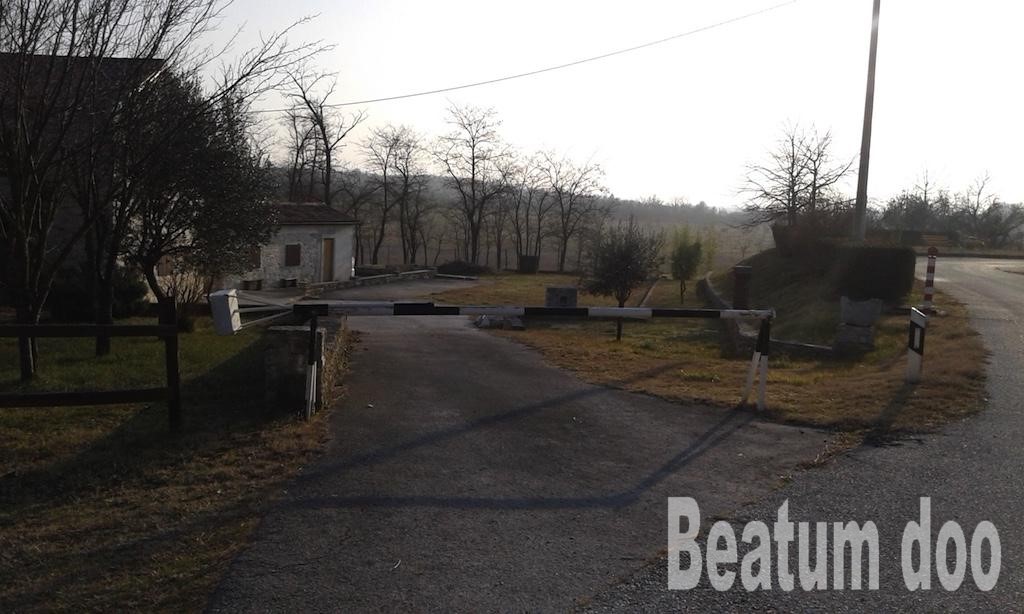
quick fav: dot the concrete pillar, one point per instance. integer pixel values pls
(741, 286)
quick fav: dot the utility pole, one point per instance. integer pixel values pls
(861, 219)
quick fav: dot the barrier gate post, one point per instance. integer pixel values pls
(759, 365)
(311, 369)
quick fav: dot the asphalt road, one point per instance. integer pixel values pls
(972, 470)
(466, 474)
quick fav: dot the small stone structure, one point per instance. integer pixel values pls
(856, 330)
(561, 296)
(286, 356)
(311, 244)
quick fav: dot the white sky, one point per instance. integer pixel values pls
(683, 118)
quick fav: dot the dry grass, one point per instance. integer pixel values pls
(103, 510)
(681, 361)
(516, 289)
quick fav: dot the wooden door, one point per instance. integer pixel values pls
(327, 260)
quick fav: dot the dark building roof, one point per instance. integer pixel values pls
(310, 213)
(96, 83)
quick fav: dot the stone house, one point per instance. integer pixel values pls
(313, 243)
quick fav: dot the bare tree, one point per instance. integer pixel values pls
(301, 145)
(776, 188)
(357, 191)
(530, 204)
(973, 203)
(497, 221)
(411, 194)
(311, 92)
(822, 173)
(380, 149)
(798, 180)
(472, 157)
(574, 190)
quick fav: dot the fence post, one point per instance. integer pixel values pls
(169, 316)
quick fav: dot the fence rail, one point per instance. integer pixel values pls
(87, 330)
(171, 392)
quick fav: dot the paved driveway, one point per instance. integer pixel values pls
(973, 471)
(465, 474)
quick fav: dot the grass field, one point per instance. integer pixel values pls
(101, 509)
(682, 361)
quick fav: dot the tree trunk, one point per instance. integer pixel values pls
(682, 292)
(474, 245)
(26, 347)
(104, 313)
(618, 321)
(379, 241)
(562, 251)
(149, 272)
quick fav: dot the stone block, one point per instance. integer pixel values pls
(561, 296)
(852, 339)
(859, 313)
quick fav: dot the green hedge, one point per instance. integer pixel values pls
(863, 272)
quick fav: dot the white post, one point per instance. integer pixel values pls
(311, 376)
(751, 374)
(763, 384)
(915, 345)
(759, 366)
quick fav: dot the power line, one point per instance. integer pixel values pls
(552, 68)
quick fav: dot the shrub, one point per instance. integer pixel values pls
(622, 259)
(685, 258)
(862, 272)
(71, 299)
(129, 293)
(460, 267)
(783, 237)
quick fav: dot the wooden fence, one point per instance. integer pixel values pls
(171, 392)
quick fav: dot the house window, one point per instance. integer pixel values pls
(164, 266)
(292, 255)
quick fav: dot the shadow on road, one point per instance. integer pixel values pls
(730, 422)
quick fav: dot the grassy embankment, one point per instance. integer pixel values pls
(101, 509)
(681, 360)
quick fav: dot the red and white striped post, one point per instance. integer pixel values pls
(929, 280)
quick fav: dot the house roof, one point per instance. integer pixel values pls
(47, 76)
(290, 214)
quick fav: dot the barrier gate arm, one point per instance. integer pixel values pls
(227, 319)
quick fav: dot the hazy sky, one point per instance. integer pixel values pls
(682, 119)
